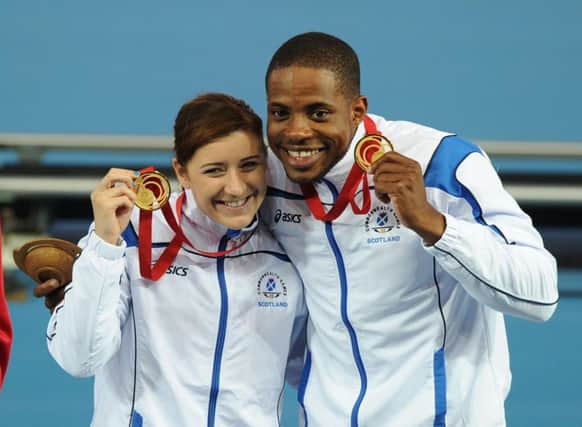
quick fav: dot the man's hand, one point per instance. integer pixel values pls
(398, 179)
(52, 292)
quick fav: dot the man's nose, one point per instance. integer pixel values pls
(298, 128)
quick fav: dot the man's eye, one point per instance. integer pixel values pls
(279, 114)
(319, 114)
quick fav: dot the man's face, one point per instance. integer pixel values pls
(310, 121)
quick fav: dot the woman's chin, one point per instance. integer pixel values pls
(235, 222)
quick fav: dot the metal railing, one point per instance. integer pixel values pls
(31, 147)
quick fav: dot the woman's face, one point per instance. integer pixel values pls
(227, 178)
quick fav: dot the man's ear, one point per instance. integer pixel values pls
(181, 173)
(359, 109)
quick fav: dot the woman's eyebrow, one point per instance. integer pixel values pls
(212, 164)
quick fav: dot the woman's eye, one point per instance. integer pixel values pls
(212, 171)
(249, 165)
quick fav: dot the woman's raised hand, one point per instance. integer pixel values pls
(112, 202)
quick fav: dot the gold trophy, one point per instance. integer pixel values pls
(47, 258)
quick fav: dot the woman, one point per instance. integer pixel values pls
(208, 342)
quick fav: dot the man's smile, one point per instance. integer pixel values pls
(302, 157)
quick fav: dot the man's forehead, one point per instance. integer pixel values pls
(305, 82)
(302, 76)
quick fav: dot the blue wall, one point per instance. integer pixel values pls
(485, 69)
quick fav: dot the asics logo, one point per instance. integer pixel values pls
(177, 270)
(281, 216)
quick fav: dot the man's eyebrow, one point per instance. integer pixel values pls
(308, 107)
(317, 105)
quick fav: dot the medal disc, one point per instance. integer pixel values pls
(371, 148)
(152, 190)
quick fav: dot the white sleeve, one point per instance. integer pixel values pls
(498, 257)
(84, 330)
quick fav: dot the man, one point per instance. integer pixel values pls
(406, 285)
(5, 325)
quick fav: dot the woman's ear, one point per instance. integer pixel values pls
(181, 173)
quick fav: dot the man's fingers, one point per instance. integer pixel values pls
(396, 168)
(394, 162)
(389, 178)
(383, 197)
(45, 288)
(392, 185)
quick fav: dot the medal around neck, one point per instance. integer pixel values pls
(48, 258)
(152, 190)
(370, 149)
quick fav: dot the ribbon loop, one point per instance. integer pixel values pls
(348, 191)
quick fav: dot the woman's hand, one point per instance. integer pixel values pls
(112, 202)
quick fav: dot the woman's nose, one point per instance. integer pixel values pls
(235, 184)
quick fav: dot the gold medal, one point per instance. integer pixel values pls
(371, 148)
(152, 190)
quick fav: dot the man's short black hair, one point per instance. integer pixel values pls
(324, 51)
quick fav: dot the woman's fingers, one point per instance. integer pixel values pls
(116, 176)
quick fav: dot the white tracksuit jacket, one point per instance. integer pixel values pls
(206, 345)
(400, 334)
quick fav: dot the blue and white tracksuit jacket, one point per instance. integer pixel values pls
(400, 334)
(206, 345)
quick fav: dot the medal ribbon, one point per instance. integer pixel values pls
(348, 191)
(156, 271)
